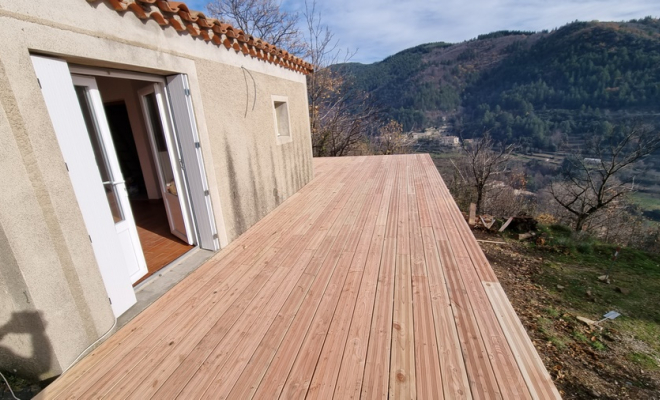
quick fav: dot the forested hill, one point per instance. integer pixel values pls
(541, 88)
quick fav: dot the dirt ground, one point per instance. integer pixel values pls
(584, 362)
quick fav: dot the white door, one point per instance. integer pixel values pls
(183, 118)
(112, 179)
(68, 122)
(168, 161)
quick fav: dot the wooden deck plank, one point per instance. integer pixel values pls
(483, 382)
(168, 306)
(164, 356)
(324, 379)
(429, 382)
(247, 337)
(303, 369)
(427, 364)
(219, 390)
(349, 381)
(274, 380)
(507, 375)
(365, 283)
(188, 366)
(99, 381)
(169, 388)
(377, 363)
(224, 302)
(536, 376)
(402, 380)
(181, 351)
(402, 377)
(245, 386)
(322, 384)
(480, 372)
(452, 365)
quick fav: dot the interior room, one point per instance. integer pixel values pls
(142, 152)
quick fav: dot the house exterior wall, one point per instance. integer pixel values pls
(53, 301)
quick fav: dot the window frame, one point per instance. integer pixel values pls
(281, 139)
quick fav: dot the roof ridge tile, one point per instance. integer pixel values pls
(177, 15)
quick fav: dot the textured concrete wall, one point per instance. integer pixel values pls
(52, 299)
(255, 173)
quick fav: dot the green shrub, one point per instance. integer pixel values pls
(561, 230)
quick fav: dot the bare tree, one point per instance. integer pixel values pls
(340, 116)
(391, 139)
(340, 123)
(263, 19)
(589, 185)
(482, 160)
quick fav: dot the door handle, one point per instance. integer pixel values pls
(115, 183)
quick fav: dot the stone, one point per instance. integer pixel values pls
(560, 288)
(586, 321)
(622, 290)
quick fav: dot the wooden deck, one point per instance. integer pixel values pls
(367, 283)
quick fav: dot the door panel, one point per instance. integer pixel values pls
(105, 155)
(69, 125)
(168, 162)
(186, 128)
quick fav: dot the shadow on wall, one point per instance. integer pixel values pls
(237, 209)
(38, 362)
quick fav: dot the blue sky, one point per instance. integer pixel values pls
(379, 28)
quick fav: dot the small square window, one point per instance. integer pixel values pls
(282, 122)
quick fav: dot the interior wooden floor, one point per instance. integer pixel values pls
(159, 245)
(367, 283)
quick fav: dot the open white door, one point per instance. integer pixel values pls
(186, 129)
(100, 138)
(168, 161)
(72, 135)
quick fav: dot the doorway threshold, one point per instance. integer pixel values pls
(158, 284)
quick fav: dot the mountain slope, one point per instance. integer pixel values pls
(538, 87)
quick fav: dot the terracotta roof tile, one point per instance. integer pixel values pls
(181, 18)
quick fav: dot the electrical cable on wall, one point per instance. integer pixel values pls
(90, 346)
(10, 391)
(247, 96)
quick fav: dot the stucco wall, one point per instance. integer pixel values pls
(53, 299)
(257, 172)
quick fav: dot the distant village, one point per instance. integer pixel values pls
(437, 136)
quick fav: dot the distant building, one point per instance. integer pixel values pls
(419, 135)
(452, 141)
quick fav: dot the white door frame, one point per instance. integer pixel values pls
(55, 77)
(176, 205)
(177, 97)
(126, 229)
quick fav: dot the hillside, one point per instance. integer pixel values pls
(544, 88)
